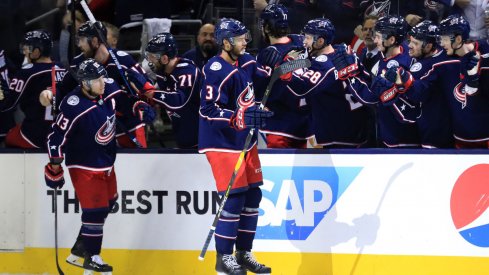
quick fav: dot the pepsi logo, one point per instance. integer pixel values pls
(469, 204)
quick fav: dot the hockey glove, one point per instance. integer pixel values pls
(143, 111)
(385, 89)
(54, 176)
(346, 64)
(140, 82)
(249, 117)
(402, 78)
(470, 70)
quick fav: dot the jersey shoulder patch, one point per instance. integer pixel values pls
(27, 66)
(181, 65)
(392, 63)
(73, 100)
(416, 67)
(216, 66)
(322, 58)
(109, 80)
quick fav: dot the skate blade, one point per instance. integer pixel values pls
(75, 260)
(91, 272)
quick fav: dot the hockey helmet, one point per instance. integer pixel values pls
(89, 69)
(39, 39)
(392, 25)
(228, 28)
(163, 44)
(275, 15)
(455, 25)
(89, 29)
(425, 31)
(320, 28)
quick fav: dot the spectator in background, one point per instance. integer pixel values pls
(473, 11)
(112, 34)
(206, 46)
(370, 54)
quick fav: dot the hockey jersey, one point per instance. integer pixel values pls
(290, 112)
(223, 86)
(125, 103)
(433, 76)
(337, 118)
(25, 88)
(179, 93)
(395, 123)
(84, 130)
(470, 113)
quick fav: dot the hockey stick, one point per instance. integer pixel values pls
(281, 70)
(55, 208)
(103, 39)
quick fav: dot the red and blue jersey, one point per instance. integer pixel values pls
(290, 112)
(470, 112)
(337, 118)
(124, 103)
(396, 123)
(25, 87)
(434, 77)
(84, 130)
(178, 92)
(223, 86)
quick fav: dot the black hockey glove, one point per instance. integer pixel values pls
(402, 78)
(249, 117)
(345, 63)
(139, 81)
(54, 176)
(385, 90)
(470, 71)
(143, 111)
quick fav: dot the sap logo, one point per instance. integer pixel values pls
(296, 199)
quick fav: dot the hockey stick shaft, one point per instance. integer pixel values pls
(281, 70)
(55, 208)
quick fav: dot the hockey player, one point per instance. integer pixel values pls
(338, 120)
(469, 101)
(24, 89)
(227, 113)
(288, 126)
(130, 128)
(84, 131)
(177, 90)
(434, 75)
(6, 118)
(396, 121)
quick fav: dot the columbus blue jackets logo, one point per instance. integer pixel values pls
(107, 132)
(247, 97)
(460, 95)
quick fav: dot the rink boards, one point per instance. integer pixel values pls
(339, 213)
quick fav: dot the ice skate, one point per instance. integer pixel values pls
(226, 265)
(77, 255)
(94, 264)
(248, 261)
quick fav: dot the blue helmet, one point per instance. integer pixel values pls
(89, 69)
(228, 28)
(164, 44)
(276, 16)
(89, 29)
(425, 31)
(39, 39)
(455, 25)
(392, 25)
(320, 28)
